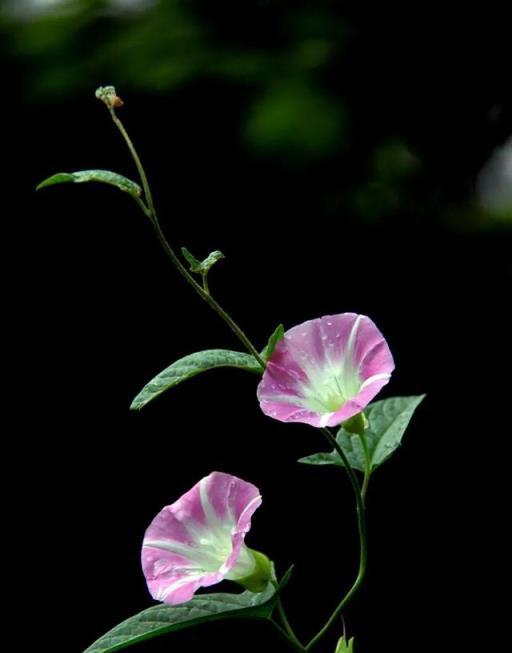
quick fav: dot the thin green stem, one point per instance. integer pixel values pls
(138, 162)
(206, 295)
(297, 646)
(206, 287)
(150, 212)
(286, 623)
(142, 205)
(284, 619)
(364, 488)
(367, 466)
(362, 543)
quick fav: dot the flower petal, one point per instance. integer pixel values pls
(326, 370)
(199, 540)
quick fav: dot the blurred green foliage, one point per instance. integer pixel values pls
(287, 62)
(293, 117)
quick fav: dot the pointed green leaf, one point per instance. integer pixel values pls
(194, 263)
(60, 178)
(102, 176)
(387, 421)
(191, 365)
(352, 448)
(322, 458)
(286, 578)
(272, 343)
(163, 619)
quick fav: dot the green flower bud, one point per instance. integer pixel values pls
(109, 97)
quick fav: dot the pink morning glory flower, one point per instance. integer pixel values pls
(199, 539)
(325, 371)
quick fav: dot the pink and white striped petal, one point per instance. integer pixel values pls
(199, 540)
(326, 370)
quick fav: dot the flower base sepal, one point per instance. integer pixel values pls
(357, 424)
(345, 646)
(262, 574)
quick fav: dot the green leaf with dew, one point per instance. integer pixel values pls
(101, 176)
(163, 619)
(387, 422)
(190, 366)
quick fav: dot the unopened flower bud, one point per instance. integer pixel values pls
(109, 97)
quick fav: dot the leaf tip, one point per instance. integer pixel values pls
(271, 345)
(136, 404)
(285, 579)
(59, 178)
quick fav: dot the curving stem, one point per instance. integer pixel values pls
(150, 212)
(362, 543)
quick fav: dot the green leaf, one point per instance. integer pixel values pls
(272, 343)
(194, 263)
(352, 448)
(344, 646)
(285, 579)
(163, 619)
(322, 458)
(211, 259)
(102, 176)
(387, 421)
(191, 365)
(202, 267)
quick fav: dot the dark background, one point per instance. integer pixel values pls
(343, 157)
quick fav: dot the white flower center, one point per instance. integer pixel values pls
(212, 550)
(329, 388)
